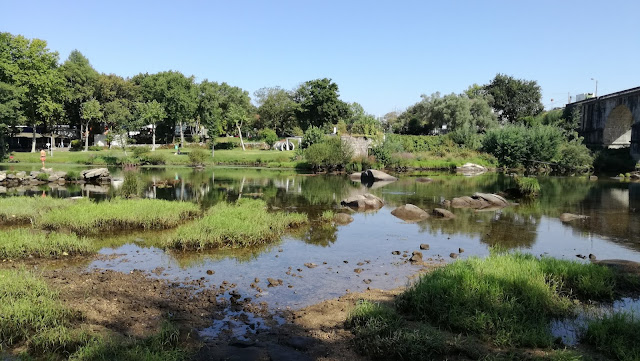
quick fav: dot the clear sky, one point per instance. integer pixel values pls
(382, 55)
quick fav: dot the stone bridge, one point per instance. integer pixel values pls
(611, 121)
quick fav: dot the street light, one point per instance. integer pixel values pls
(596, 93)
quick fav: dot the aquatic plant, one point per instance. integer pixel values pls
(20, 243)
(86, 217)
(245, 223)
(17, 210)
(131, 185)
(527, 186)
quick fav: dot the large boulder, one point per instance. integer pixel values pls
(471, 169)
(3, 176)
(480, 201)
(494, 199)
(95, 174)
(568, 217)
(443, 213)
(376, 176)
(363, 202)
(342, 218)
(410, 213)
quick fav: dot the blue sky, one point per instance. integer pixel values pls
(382, 55)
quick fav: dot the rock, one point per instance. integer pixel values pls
(453, 255)
(21, 175)
(594, 178)
(3, 176)
(274, 282)
(592, 256)
(395, 253)
(355, 176)
(416, 256)
(460, 250)
(471, 169)
(301, 343)
(60, 174)
(375, 175)
(424, 180)
(363, 202)
(3, 189)
(210, 272)
(367, 281)
(446, 203)
(480, 201)
(342, 218)
(53, 178)
(443, 213)
(95, 174)
(358, 270)
(568, 217)
(410, 213)
(494, 199)
(311, 265)
(424, 246)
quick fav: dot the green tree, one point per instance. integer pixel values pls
(81, 82)
(319, 104)
(513, 98)
(276, 110)
(210, 111)
(151, 113)
(119, 119)
(53, 113)
(89, 111)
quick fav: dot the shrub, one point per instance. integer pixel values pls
(312, 136)
(131, 186)
(332, 153)
(139, 151)
(73, 175)
(198, 157)
(416, 143)
(42, 177)
(269, 136)
(153, 158)
(96, 148)
(517, 145)
(76, 145)
(466, 137)
(575, 157)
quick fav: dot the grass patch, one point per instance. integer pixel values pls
(527, 186)
(28, 308)
(87, 217)
(508, 298)
(243, 224)
(20, 210)
(615, 335)
(327, 216)
(21, 243)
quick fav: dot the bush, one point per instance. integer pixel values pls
(332, 153)
(198, 157)
(528, 187)
(153, 159)
(312, 136)
(44, 177)
(416, 143)
(96, 148)
(269, 136)
(139, 151)
(73, 175)
(467, 138)
(517, 145)
(575, 157)
(76, 145)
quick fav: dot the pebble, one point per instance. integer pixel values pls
(460, 250)
(453, 255)
(424, 246)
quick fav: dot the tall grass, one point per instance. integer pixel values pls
(509, 298)
(19, 210)
(20, 243)
(28, 307)
(243, 224)
(87, 217)
(528, 187)
(616, 335)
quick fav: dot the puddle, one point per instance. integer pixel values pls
(239, 325)
(569, 330)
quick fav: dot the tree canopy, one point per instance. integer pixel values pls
(514, 99)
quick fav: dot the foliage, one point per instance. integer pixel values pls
(131, 186)
(515, 145)
(44, 177)
(72, 175)
(76, 145)
(528, 187)
(198, 157)
(153, 159)
(319, 104)
(513, 98)
(574, 156)
(331, 153)
(139, 151)
(87, 217)
(269, 136)
(276, 110)
(243, 224)
(616, 335)
(312, 136)
(510, 298)
(23, 243)
(415, 143)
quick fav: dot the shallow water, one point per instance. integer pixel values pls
(611, 231)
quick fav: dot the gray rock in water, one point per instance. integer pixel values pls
(424, 246)
(480, 201)
(443, 213)
(94, 174)
(416, 256)
(471, 169)
(410, 213)
(363, 202)
(376, 175)
(568, 217)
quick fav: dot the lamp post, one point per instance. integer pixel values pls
(596, 93)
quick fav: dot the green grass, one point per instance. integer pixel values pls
(527, 186)
(20, 210)
(28, 308)
(327, 216)
(243, 224)
(616, 335)
(88, 217)
(21, 243)
(508, 298)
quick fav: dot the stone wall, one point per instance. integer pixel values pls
(360, 145)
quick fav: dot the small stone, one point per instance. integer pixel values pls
(345, 261)
(210, 272)
(311, 265)
(453, 255)
(460, 250)
(367, 281)
(358, 270)
(424, 246)
(257, 280)
(416, 257)
(395, 253)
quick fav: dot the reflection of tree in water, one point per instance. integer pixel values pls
(321, 234)
(241, 255)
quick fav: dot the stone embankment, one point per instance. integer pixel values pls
(48, 175)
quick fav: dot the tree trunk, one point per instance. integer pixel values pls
(33, 140)
(86, 138)
(181, 136)
(53, 143)
(153, 138)
(213, 149)
(241, 141)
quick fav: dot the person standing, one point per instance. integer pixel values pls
(43, 157)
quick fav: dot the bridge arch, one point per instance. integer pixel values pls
(617, 130)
